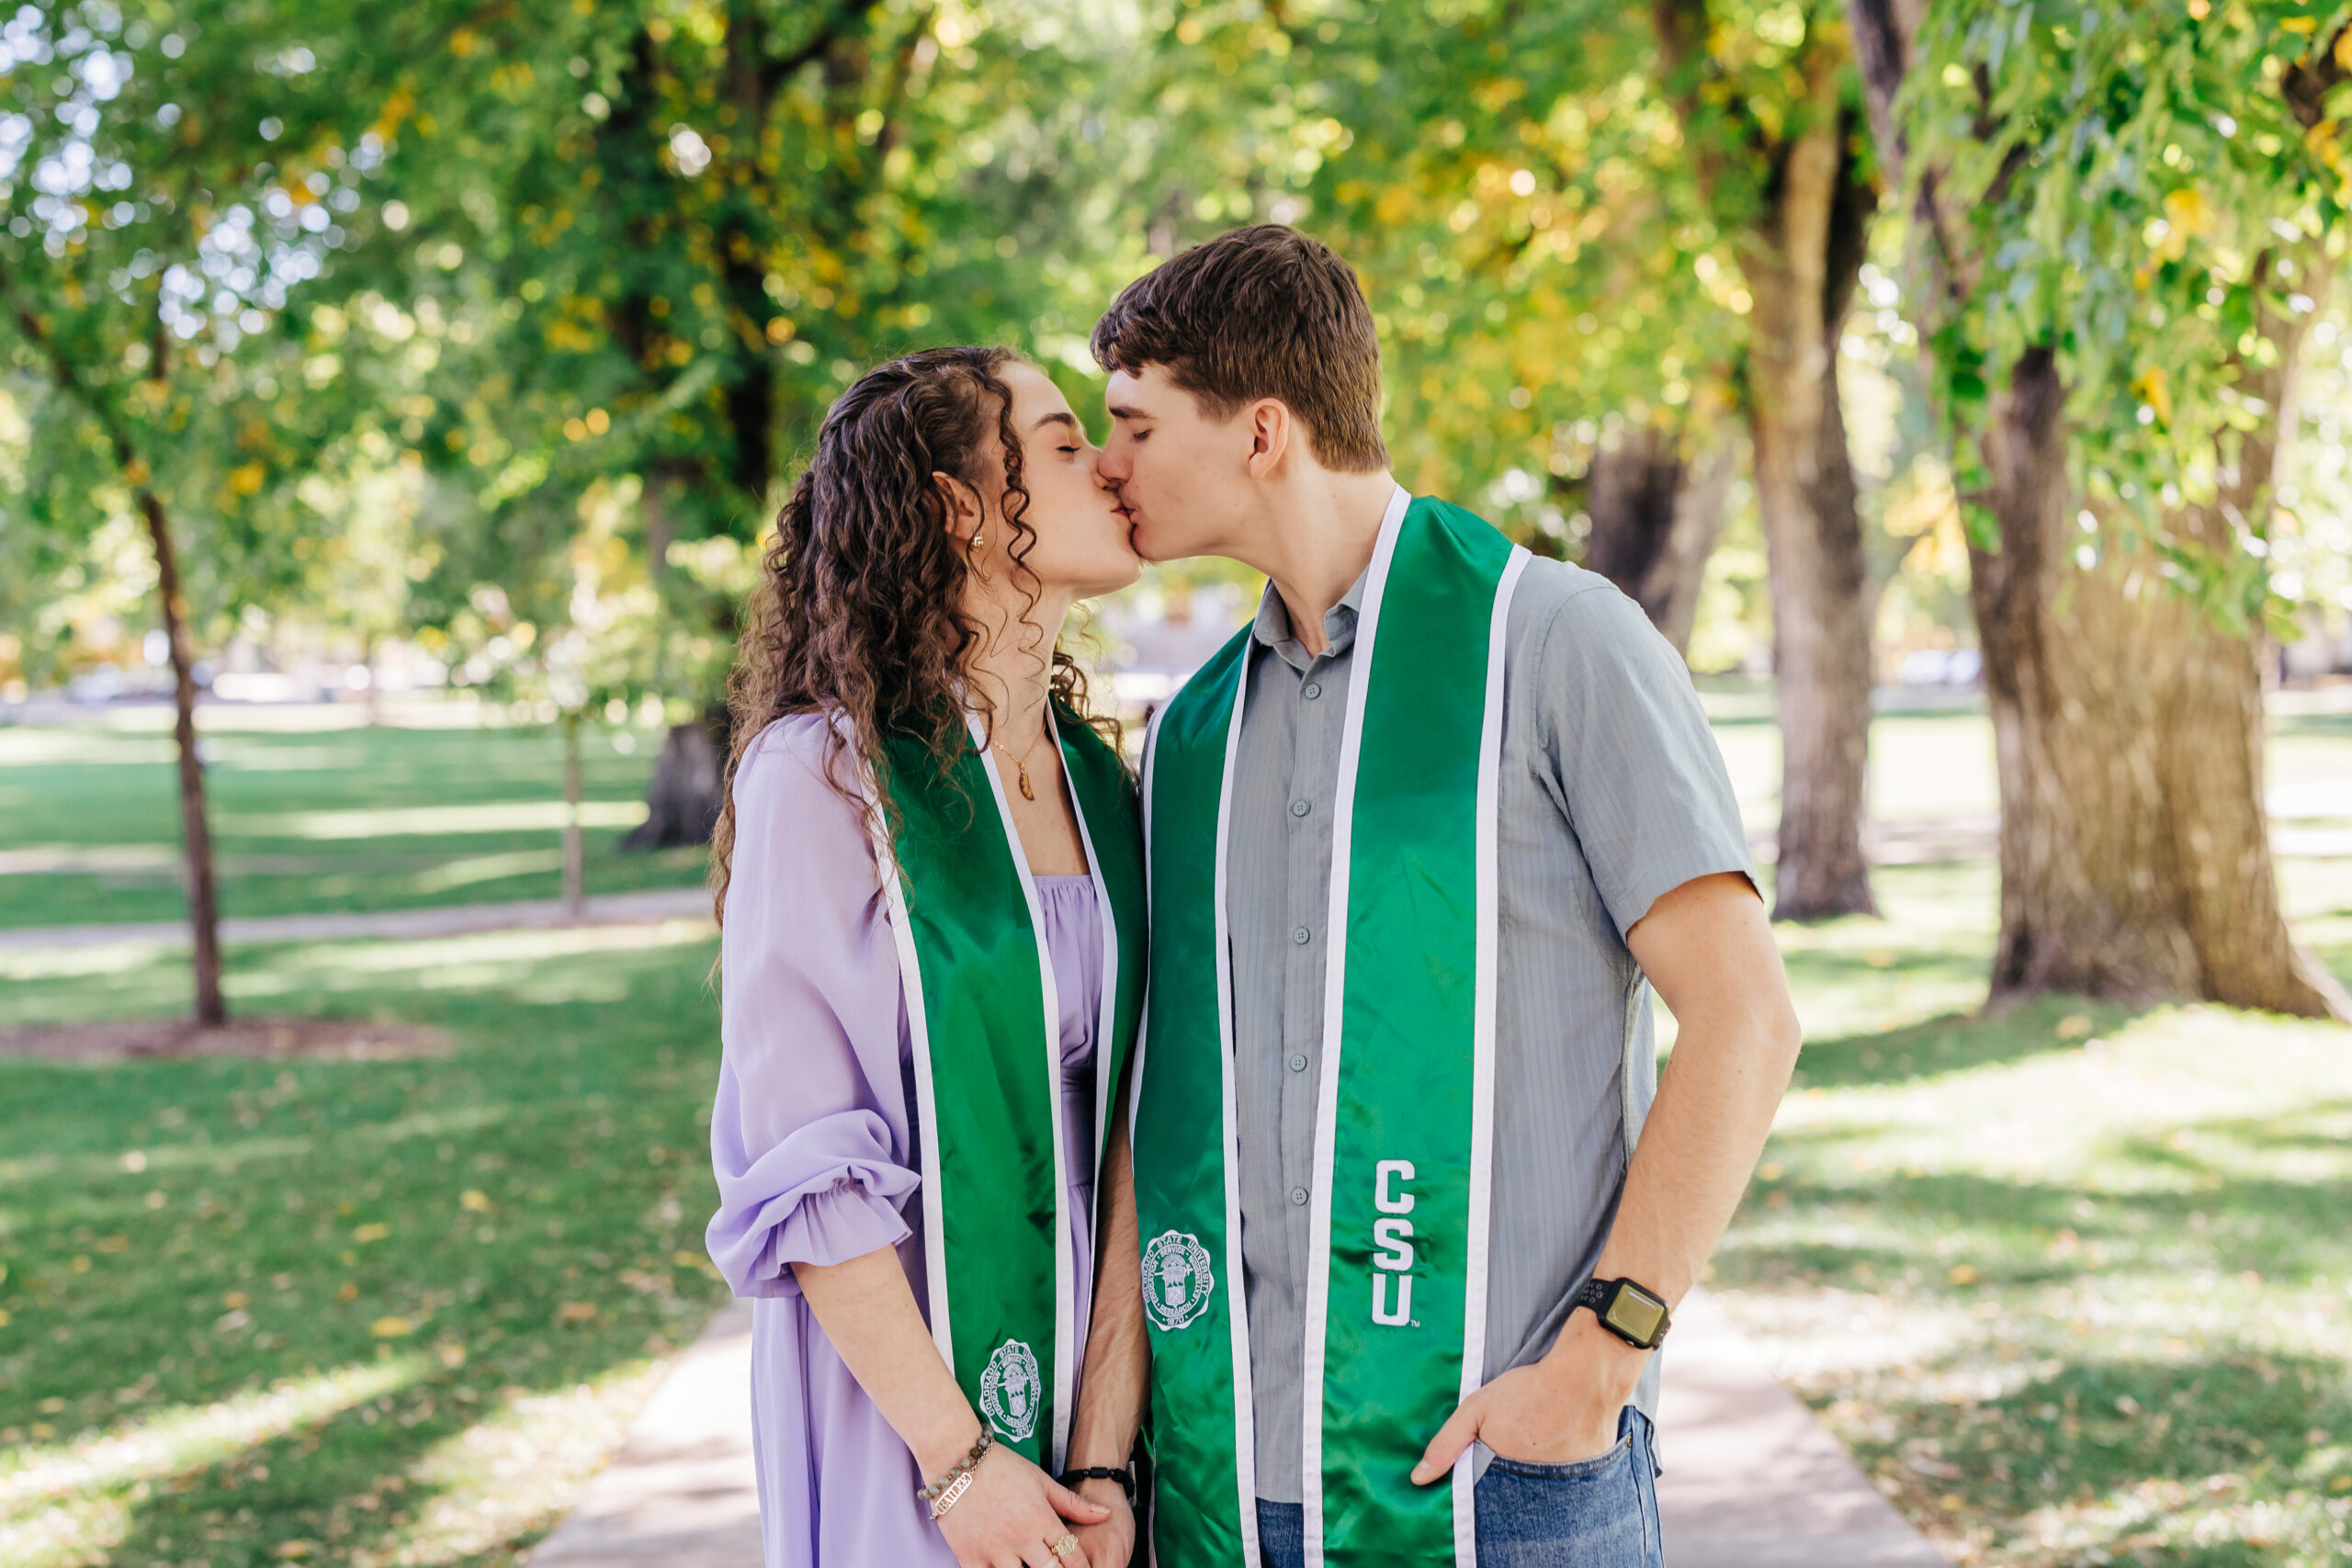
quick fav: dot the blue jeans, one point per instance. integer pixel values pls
(1597, 1513)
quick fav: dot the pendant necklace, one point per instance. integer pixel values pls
(1021, 766)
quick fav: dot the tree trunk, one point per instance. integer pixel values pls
(683, 799)
(575, 881)
(203, 896)
(1800, 264)
(2128, 725)
(2135, 857)
(1656, 514)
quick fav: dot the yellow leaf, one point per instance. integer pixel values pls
(1962, 1274)
(576, 1312)
(236, 1299)
(136, 471)
(294, 1550)
(246, 479)
(2073, 1026)
(350, 1292)
(391, 1327)
(371, 1232)
(474, 1202)
(3, 1317)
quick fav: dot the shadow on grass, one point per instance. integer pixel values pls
(1956, 1043)
(508, 1225)
(2188, 1445)
(2167, 1210)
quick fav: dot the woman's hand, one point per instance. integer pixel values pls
(1112, 1543)
(1013, 1514)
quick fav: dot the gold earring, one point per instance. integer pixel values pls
(980, 537)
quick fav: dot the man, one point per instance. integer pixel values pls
(1418, 840)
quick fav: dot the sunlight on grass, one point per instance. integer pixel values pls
(62, 1502)
(507, 1478)
(2075, 1287)
(498, 817)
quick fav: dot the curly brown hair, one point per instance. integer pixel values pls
(858, 611)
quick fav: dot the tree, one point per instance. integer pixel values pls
(170, 187)
(1771, 114)
(688, 227)
(2123, 220)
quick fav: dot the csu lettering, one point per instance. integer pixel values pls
(1392, 1243)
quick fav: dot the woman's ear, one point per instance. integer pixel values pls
(961, 504)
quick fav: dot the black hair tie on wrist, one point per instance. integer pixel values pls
(1126, 1478)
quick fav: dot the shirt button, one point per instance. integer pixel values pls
(1298, 1061)
(1299, 808)
(1311, 690)
(1301, 936)
(1298, 1195)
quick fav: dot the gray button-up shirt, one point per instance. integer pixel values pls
(1612, 793)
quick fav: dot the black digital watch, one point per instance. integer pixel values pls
(1631, 1312)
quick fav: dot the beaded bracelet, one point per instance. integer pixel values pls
(1126, 1478)
(956, 1479)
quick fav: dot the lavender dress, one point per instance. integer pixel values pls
(817, 1150)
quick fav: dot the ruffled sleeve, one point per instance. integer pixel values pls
(809, 1137)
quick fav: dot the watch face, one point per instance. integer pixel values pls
(1636, 1314)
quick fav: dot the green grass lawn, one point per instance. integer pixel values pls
(354, 1313)
(308, 820)
(2074, 1284)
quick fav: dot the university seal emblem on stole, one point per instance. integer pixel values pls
(1176, 1278)
(1010, 1390)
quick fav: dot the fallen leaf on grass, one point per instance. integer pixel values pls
(2073, 1026)
(391, 1327)
(350, 1292)
(294, 1549)
(474, 1201)
(371, 1232)
(1964, 1274)
(576, 1312)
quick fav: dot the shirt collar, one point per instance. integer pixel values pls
(1273, 628)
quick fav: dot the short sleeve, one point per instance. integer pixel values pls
(1637, 769)
(810, 1139)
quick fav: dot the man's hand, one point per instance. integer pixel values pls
(1562, 1409)
(1112, 1543)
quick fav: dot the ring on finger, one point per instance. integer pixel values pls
(1064, 1547)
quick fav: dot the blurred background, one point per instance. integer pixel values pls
(393, 400)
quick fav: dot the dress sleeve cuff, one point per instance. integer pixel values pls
(833, 1216)
(846, 1220)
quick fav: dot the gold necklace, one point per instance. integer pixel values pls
(1021, 766)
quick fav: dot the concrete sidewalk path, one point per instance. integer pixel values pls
(1752, 1481)
(437, 920)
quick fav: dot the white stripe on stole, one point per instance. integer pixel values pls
(1326, 1096)
(1065, 1303)
(1237, 1304)
(1143, 1027)
(1482, 1072)
(934, 1222)
(1105, 1023)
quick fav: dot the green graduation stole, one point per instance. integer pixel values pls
(986, 1026)
(1395, 1315)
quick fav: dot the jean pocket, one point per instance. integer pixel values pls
(1576, 1469)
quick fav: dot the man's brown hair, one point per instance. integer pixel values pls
(1260, 312)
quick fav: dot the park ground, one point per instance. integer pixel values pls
(2073, 1282)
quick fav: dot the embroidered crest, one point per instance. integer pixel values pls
(1010, 1390)
(1176, 1278)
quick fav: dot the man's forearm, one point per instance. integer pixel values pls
(1708, 949)
(1118, 1349)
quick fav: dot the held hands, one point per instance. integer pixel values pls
(1015, 1513)
(1562, 1409)
(1112, 1543)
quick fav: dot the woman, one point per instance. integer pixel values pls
(930, 883)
